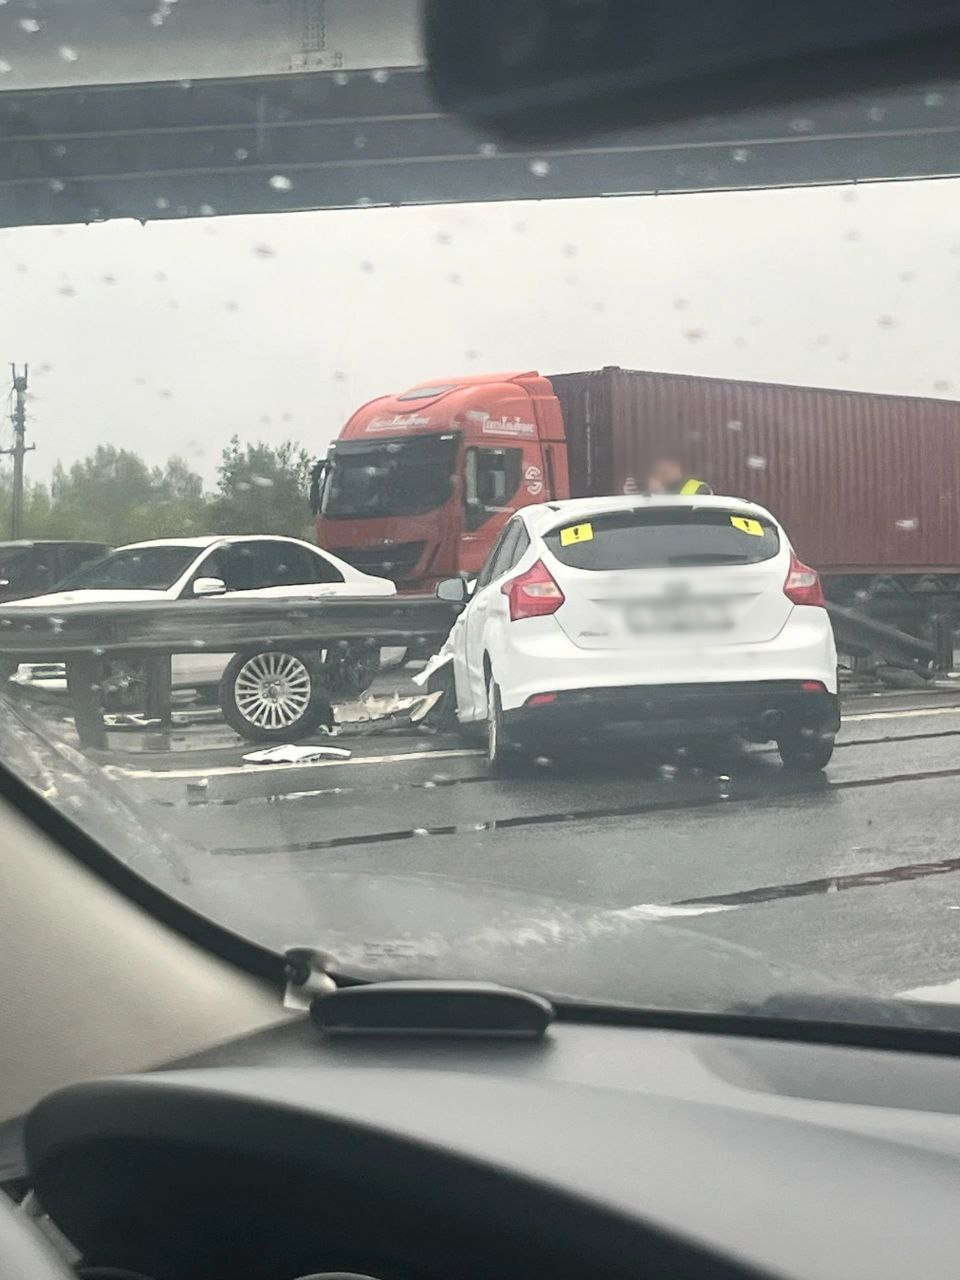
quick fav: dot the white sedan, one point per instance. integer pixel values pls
(673, 616)
(275, 693)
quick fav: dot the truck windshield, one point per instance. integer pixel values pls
(390, 477)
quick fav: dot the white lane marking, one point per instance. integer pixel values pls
(903, 715)
(657, 911)
(254, 771)
(939, 993)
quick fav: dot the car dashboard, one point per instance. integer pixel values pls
(599, 1150)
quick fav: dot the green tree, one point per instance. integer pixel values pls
(262, 488)
(36, 506)
(113, 496)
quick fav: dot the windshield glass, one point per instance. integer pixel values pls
(390, 478)
(427, 724)
(133, 569)
(659, 539)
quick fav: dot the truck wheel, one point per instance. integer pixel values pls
(806, 755)
(502, 755)
(276, 695)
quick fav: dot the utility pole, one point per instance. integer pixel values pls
(19, 448)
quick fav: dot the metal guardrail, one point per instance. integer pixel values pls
(857, 633)
(85, 636)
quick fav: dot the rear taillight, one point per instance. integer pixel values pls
(803, 584)
(813, 686)
(534, 594)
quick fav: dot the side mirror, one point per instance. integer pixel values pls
(453, 591)
(209, 587)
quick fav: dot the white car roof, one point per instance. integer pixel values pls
(215, 539)
(548, 515)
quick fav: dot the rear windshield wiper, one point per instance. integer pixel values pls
(712, 557)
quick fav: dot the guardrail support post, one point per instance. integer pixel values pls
(84, 676)
(159, 679)
(943, 640)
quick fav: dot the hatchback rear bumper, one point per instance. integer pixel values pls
(761, 710)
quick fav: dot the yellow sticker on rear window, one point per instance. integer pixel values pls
(576, 533)
(746, 525)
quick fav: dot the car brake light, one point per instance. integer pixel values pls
(803, 584)
(813, 686)
(541, 699)
(534, 594)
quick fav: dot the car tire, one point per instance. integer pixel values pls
(806, 755)
(502, 756)
(274, 695)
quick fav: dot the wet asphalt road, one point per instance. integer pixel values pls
(854, 874)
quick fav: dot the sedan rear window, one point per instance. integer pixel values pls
(660, 538)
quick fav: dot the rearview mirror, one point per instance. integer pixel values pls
(453, 591)
(557, 69)
(209, 587)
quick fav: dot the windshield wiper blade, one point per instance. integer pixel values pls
(711, 557)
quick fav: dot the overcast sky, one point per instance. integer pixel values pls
(171, 337)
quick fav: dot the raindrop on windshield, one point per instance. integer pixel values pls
(803, 124)
(67, 53)
(933, 99)
(4, 66)
(734, 425)
(886, 322)
(341, 78)
(740, 155)
(539, 168)
(379, 76)
(56, 185)
(264, 251)
(907, 524)
(242, 153)
(756, 462)
(30, 25)
(280, 182)
(693, 335)
(489, 149)
(162, 202)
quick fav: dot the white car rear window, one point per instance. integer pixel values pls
(662, 537)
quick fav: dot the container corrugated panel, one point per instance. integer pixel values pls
(863, 483)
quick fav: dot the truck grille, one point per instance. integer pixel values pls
(394, 562)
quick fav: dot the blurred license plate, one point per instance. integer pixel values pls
(643, 617)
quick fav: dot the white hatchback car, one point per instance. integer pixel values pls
(679, 617)
(229, 568)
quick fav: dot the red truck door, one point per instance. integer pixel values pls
(503, 470)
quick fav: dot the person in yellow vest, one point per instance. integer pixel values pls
(668, 476)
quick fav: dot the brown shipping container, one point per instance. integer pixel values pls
(863, 483)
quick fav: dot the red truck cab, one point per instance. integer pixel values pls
(418, 485)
